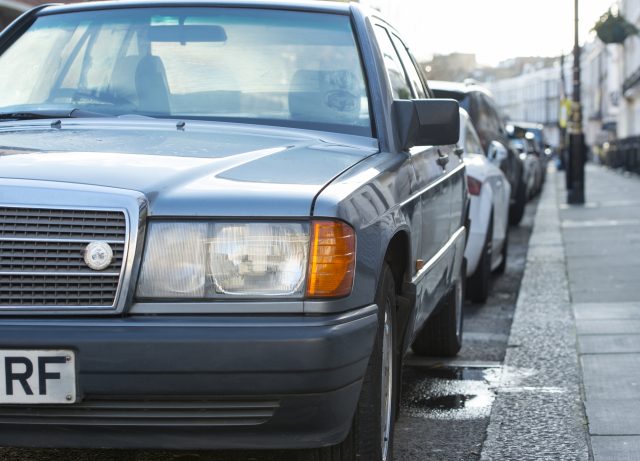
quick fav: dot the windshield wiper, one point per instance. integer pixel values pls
(49, 113)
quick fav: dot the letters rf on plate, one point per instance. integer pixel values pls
(37, 377)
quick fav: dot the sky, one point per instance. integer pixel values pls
(494, 30)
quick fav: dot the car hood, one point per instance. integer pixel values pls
(199, 169)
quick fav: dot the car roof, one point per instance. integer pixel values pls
(458, 87)
(300, 5)
(527, 125)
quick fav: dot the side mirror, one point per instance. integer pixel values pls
(497, 153)
(427, 122)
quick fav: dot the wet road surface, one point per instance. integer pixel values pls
(445, 403)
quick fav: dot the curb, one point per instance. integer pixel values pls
(538, 412)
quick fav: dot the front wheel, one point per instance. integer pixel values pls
(371, 434)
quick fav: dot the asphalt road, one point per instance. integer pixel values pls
(445, 404)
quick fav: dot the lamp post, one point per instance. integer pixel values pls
(575, 170)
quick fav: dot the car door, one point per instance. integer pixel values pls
(451, 206)
(430, 179)
(498, 184)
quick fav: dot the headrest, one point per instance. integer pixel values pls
(326, 96)
(123, 79)
(152, 86)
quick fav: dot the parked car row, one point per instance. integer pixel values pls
(496, 169)
(224, 225)
(490, 192)
(528, 140)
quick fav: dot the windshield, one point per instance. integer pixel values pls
(276, 67)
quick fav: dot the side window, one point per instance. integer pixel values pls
(472, 143)
(494, 119)
(482, 120)
(399, 85)
(410, 67)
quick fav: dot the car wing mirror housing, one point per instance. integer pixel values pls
(427, 122)
(497, 152)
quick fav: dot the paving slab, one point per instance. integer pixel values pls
(607, 310)
(616, 448)
(584, 292)
(613, 417)
(607, 327)
(611, 376)
(609, 344)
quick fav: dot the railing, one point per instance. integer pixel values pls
(623, 153)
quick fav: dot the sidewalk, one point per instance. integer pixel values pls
(602, 247)
(570, 385)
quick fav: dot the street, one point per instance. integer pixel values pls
(445, 404)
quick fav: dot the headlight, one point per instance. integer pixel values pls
(200, 260)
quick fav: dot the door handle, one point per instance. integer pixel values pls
(443, 159)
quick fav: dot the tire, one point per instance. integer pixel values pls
(505, 253)
(442, 333)
(479, 283)
(516, 210)
(376, 411)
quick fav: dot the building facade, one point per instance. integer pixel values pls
(601, 91)
(11, 9)
(629, 116)
(533, 96)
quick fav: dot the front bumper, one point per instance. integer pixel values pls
(207, 382)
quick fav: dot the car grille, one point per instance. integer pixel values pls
(42, 257)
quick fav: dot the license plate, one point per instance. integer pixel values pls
(37, 376)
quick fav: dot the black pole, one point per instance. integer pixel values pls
(575, 194)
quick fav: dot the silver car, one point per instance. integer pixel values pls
(223, 226)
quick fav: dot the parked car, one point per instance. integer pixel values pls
(223, 226)
(487, 245)
(539, 136)
(535, 133)
(533, 170)
(487, 120)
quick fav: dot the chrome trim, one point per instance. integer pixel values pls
(433, 184)
(461, 232)
(56, 240)
(24, 193)
(216, 306)
(63, 274)
(231, 321)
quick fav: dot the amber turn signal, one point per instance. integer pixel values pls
(332, 259)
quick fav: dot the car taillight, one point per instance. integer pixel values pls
(474, 185)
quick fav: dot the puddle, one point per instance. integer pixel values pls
(455, 373)
(447, 402)
(451, 393)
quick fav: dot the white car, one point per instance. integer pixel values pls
(489, 189)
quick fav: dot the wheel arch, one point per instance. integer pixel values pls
(398, 257)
